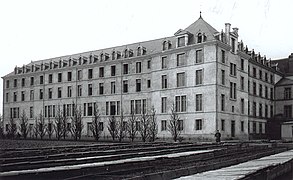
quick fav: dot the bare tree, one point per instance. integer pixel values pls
(64, 127)
(153, 127)
(144, 126)
(113, 127)
(36, 129)
(121, 124)
(173, 126)
(96, 124)
(50, 129)
(41, 126)
(58, 124)
(24, 125)
(12, 128)
(77, 126)
(131, 127)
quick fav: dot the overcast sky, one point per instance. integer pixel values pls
(33, 30)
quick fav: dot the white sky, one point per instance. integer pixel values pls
(32, 30)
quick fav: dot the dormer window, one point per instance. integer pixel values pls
(139, 51)
(181, 41)
(199, 38)
(125, 53)
(106, 56)
(166, 45)
(113, 55)
(90, 59)
(101, 57)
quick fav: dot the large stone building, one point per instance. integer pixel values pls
(212, 79)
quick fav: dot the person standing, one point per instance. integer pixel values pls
(218, 136)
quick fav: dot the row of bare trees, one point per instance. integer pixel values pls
(120, 127)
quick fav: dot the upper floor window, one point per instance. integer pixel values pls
(242, 64)
(166, 45)
(198, 76)
(164, 62)
(199, 56)
(287, 93)
(180, 79)
(164, 81)
(50, 78)
(232, 90)
(254, 72)
(15, 83)
(22, 82)
(59, 92)
(7, 83)
(113, 70)
(149, 64)
(138, 85)
(199, 38)
(139, 53)
(233, 69)
(138, 67)
(125, 68)
(90, 73)
(79, 75)
(101, 72)
(181, 60)
(59, 77)
(180, 103)
(260, 74)
(69, 76)
(181, 41)
(33, 81)
(223, 56)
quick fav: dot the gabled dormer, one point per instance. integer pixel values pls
(182, 38)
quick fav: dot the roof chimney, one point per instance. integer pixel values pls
(290, 62)
(227, 31)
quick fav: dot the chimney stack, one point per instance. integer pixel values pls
(227, 32)
(290, 62)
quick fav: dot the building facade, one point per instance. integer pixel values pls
(211, 79)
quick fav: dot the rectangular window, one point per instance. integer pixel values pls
(79, 90)
(254, 88)
(233, 69)
(181, 41)
(33, 81)
(232, 90)
(113, 87)
(260, 74)
(32, 95)
(260, 128)
(79, 75)
(242, 106)
(163, 125)
(288, 111)
(7, 97)
(223, 58)
(137, 106)
(59, 77)
(164, 82)
(272, 93)
(223, 77)
(260, 90)
(254, 72)
(41, 94)
(148, 83)
(50, 78)
(125, 86)
(101, 88)
(125, 68)
(69, 76)
(180, 125)
(149, 64)
(266, 77)
(113, 70)
(254, 127)
(69, 91)
(242, 83)
(272, 79)
(233, 45)
(266, 111)
(254, 109)
(242, 64)
(198, 100)
(22, 96)
(222, 102)
(138, 85)
(198, 77)
(22, 82)
(248, 86)
(50, 93)
(272, 110)
(101, 72)
(180, 79)
(90, 109)
(181, 60)
(90, 73)
(138, 67)
(31, 112)
(222, 124)
(164, 104)
(242, 126)
(266, 92)
(287, 93)
(199, 56)
(7, 84)
(180, 103)
(59, 92)
(15, 83)
(90, 89)
(198, 124)
(164, 62)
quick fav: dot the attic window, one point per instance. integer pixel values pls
(138, 51)
(90, 59)
(199, 38)
(113, 55)
(166, 45)
(181, 41)
(125, 53)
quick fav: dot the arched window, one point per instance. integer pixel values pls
(113, 55)
(165, 45)
(199, 38)
(90, 59)
(139, 51)
(101, 57)
(125, 53)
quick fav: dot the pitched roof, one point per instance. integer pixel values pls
(285, 81)
(200, 23)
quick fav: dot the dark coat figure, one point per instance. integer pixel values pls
(218, 136)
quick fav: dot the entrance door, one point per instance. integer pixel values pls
(232, 128)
